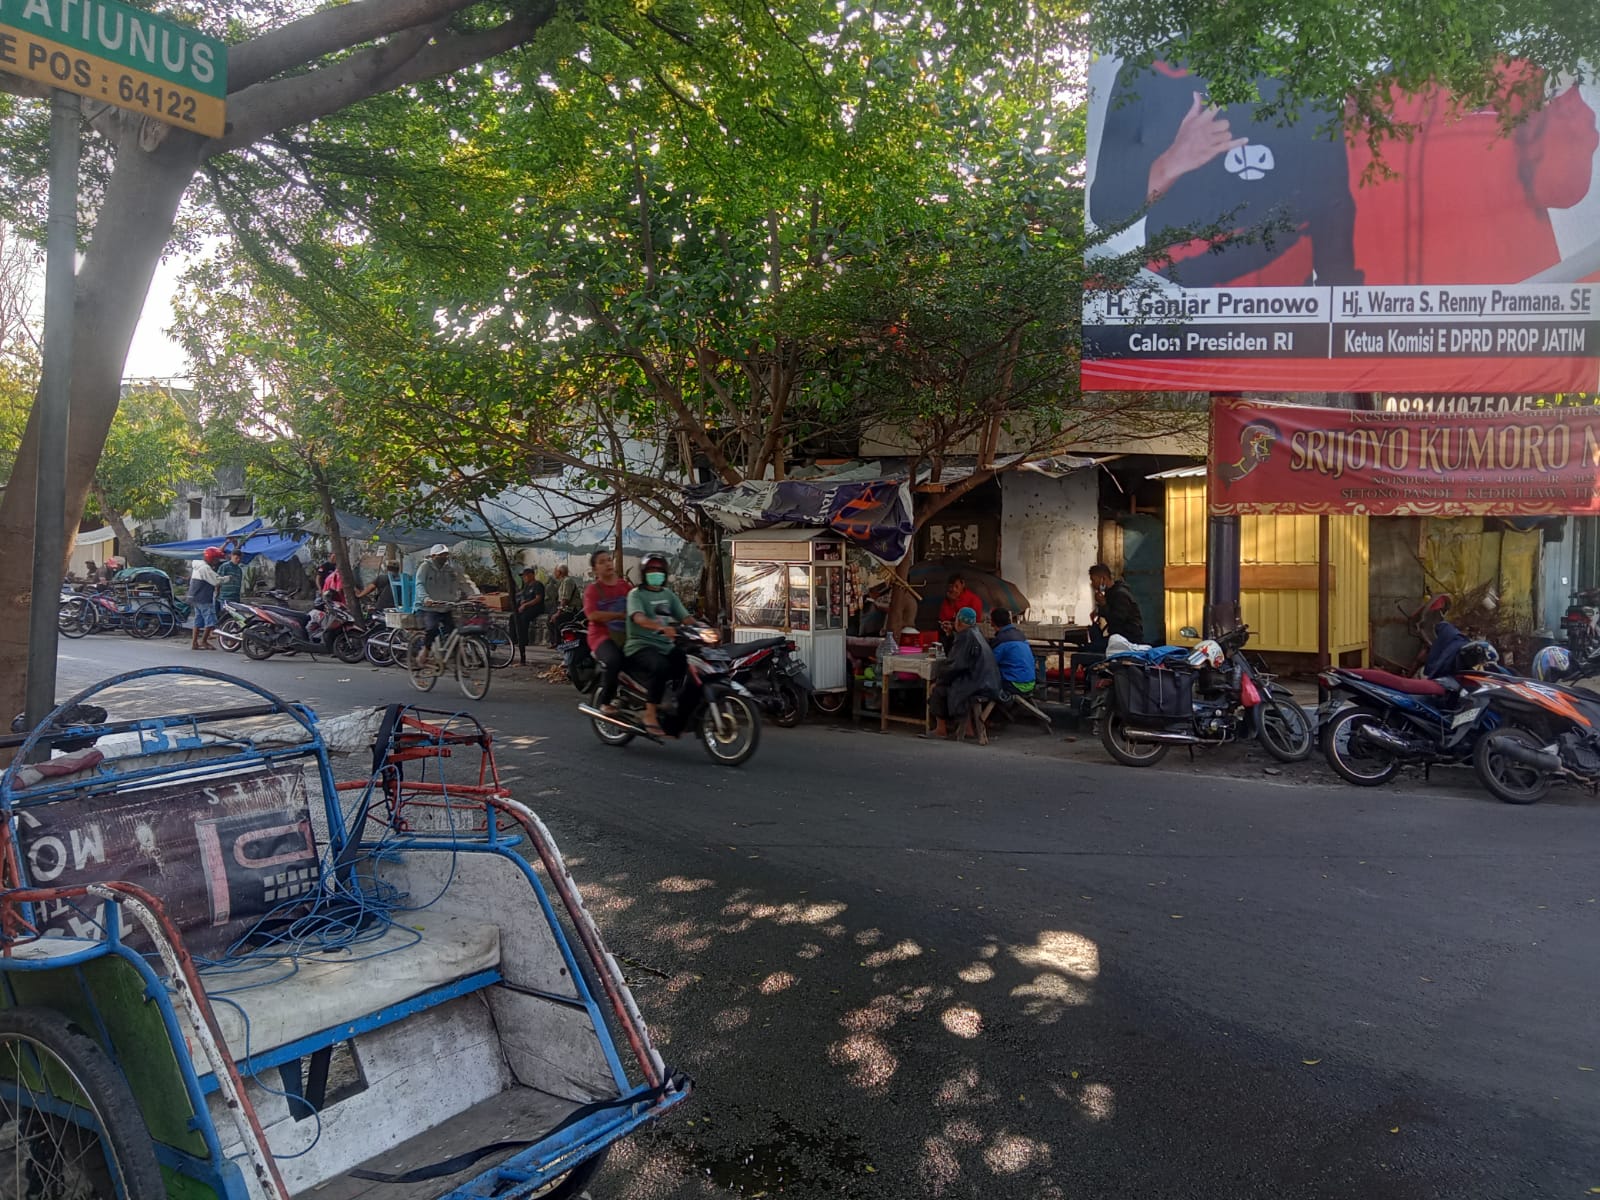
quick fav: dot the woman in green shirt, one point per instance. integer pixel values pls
(654, 611)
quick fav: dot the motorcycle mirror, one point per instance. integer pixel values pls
(1189, 631)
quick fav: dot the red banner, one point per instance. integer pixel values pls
(1285, 458)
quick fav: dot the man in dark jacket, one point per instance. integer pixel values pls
(1115, 609)
(967, 678)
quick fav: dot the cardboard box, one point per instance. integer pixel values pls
(496, 601)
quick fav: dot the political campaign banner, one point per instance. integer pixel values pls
(219, 853)
(1268, 458)
(1463, 259)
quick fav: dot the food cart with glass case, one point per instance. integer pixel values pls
(791, 582)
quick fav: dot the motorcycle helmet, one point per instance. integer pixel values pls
(1476, 655)
(212, 555)
(1207, 654)
(1551, 663)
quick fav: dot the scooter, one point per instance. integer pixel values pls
(776, 676)
(327, 628)
(705, 701)
(1547, 733)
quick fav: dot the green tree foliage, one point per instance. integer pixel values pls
(154, 443)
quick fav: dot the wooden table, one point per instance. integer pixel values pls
(920, 665)
(1062, 641)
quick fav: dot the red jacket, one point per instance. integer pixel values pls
(1469, 202)
(969, 599)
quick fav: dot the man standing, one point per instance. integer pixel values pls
(1116, 612)
(203, 580)
(569, 600)
(231, 575)
(966, 678)
(440, 583)
(530, 607)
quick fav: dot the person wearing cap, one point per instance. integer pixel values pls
(654, 611)
(203, 581)
(966, 678)
(530, 607)
(440, 583)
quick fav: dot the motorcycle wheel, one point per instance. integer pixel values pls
(830, 704)
(230, 634)
(256, 646)
(1352, 760)
(740, 732)
(379, 648)
(1505, 777)
(791, 706)
(1113, 736)
(350, 645)
(611, 735)
(1283, 728)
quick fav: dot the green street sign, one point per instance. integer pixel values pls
(123, 56)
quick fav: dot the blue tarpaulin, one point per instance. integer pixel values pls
(257, 543)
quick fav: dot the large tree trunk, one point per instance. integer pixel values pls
(341, 547)
(134, 225)
(130, 548)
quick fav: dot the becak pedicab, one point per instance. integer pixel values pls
(225, 974)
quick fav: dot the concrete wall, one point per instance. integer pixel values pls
(1049, 538)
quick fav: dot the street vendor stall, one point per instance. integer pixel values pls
(791, 582)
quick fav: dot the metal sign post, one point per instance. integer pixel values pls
(55, 384)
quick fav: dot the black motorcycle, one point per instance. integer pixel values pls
(705, 701)
(1145, 704)
(776, 677)
(572, 637)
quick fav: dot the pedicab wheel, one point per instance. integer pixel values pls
(1283, 728)
(611, 735)
(830, 704)
(1351, 758)
(350, 645)
(256, 646)
(735, 737)
(75, 617)
(144, 622)
(230, 634)
(472, 668)
(73, 1125)
(1114, 737)
(1506, 778)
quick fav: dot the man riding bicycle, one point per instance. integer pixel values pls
(440, 583)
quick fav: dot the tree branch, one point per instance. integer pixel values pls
(265, 108)
(327, 32)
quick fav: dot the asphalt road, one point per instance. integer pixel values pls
(903, 969)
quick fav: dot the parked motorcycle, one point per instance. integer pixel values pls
(1581, 622)
(576, 657)
(776, 677)
(1375, 722)
(1146, 703)
(706, 701)
(328, 628)
(1547, 733)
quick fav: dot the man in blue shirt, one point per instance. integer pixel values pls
(1012, 653)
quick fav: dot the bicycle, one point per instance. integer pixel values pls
(467, 653)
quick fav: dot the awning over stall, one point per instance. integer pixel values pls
(255, 541)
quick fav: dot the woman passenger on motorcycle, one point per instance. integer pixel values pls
(605, 603)
(653, 612)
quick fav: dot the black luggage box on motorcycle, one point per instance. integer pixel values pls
(1154, 694)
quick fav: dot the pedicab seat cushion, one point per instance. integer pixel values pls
(289, 998)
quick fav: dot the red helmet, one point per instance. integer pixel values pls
(212, 555)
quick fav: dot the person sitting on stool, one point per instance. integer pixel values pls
(966, 678)
(1012, 654)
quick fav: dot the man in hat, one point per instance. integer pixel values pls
(966, 678)
(440, 583)
(530, 607)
